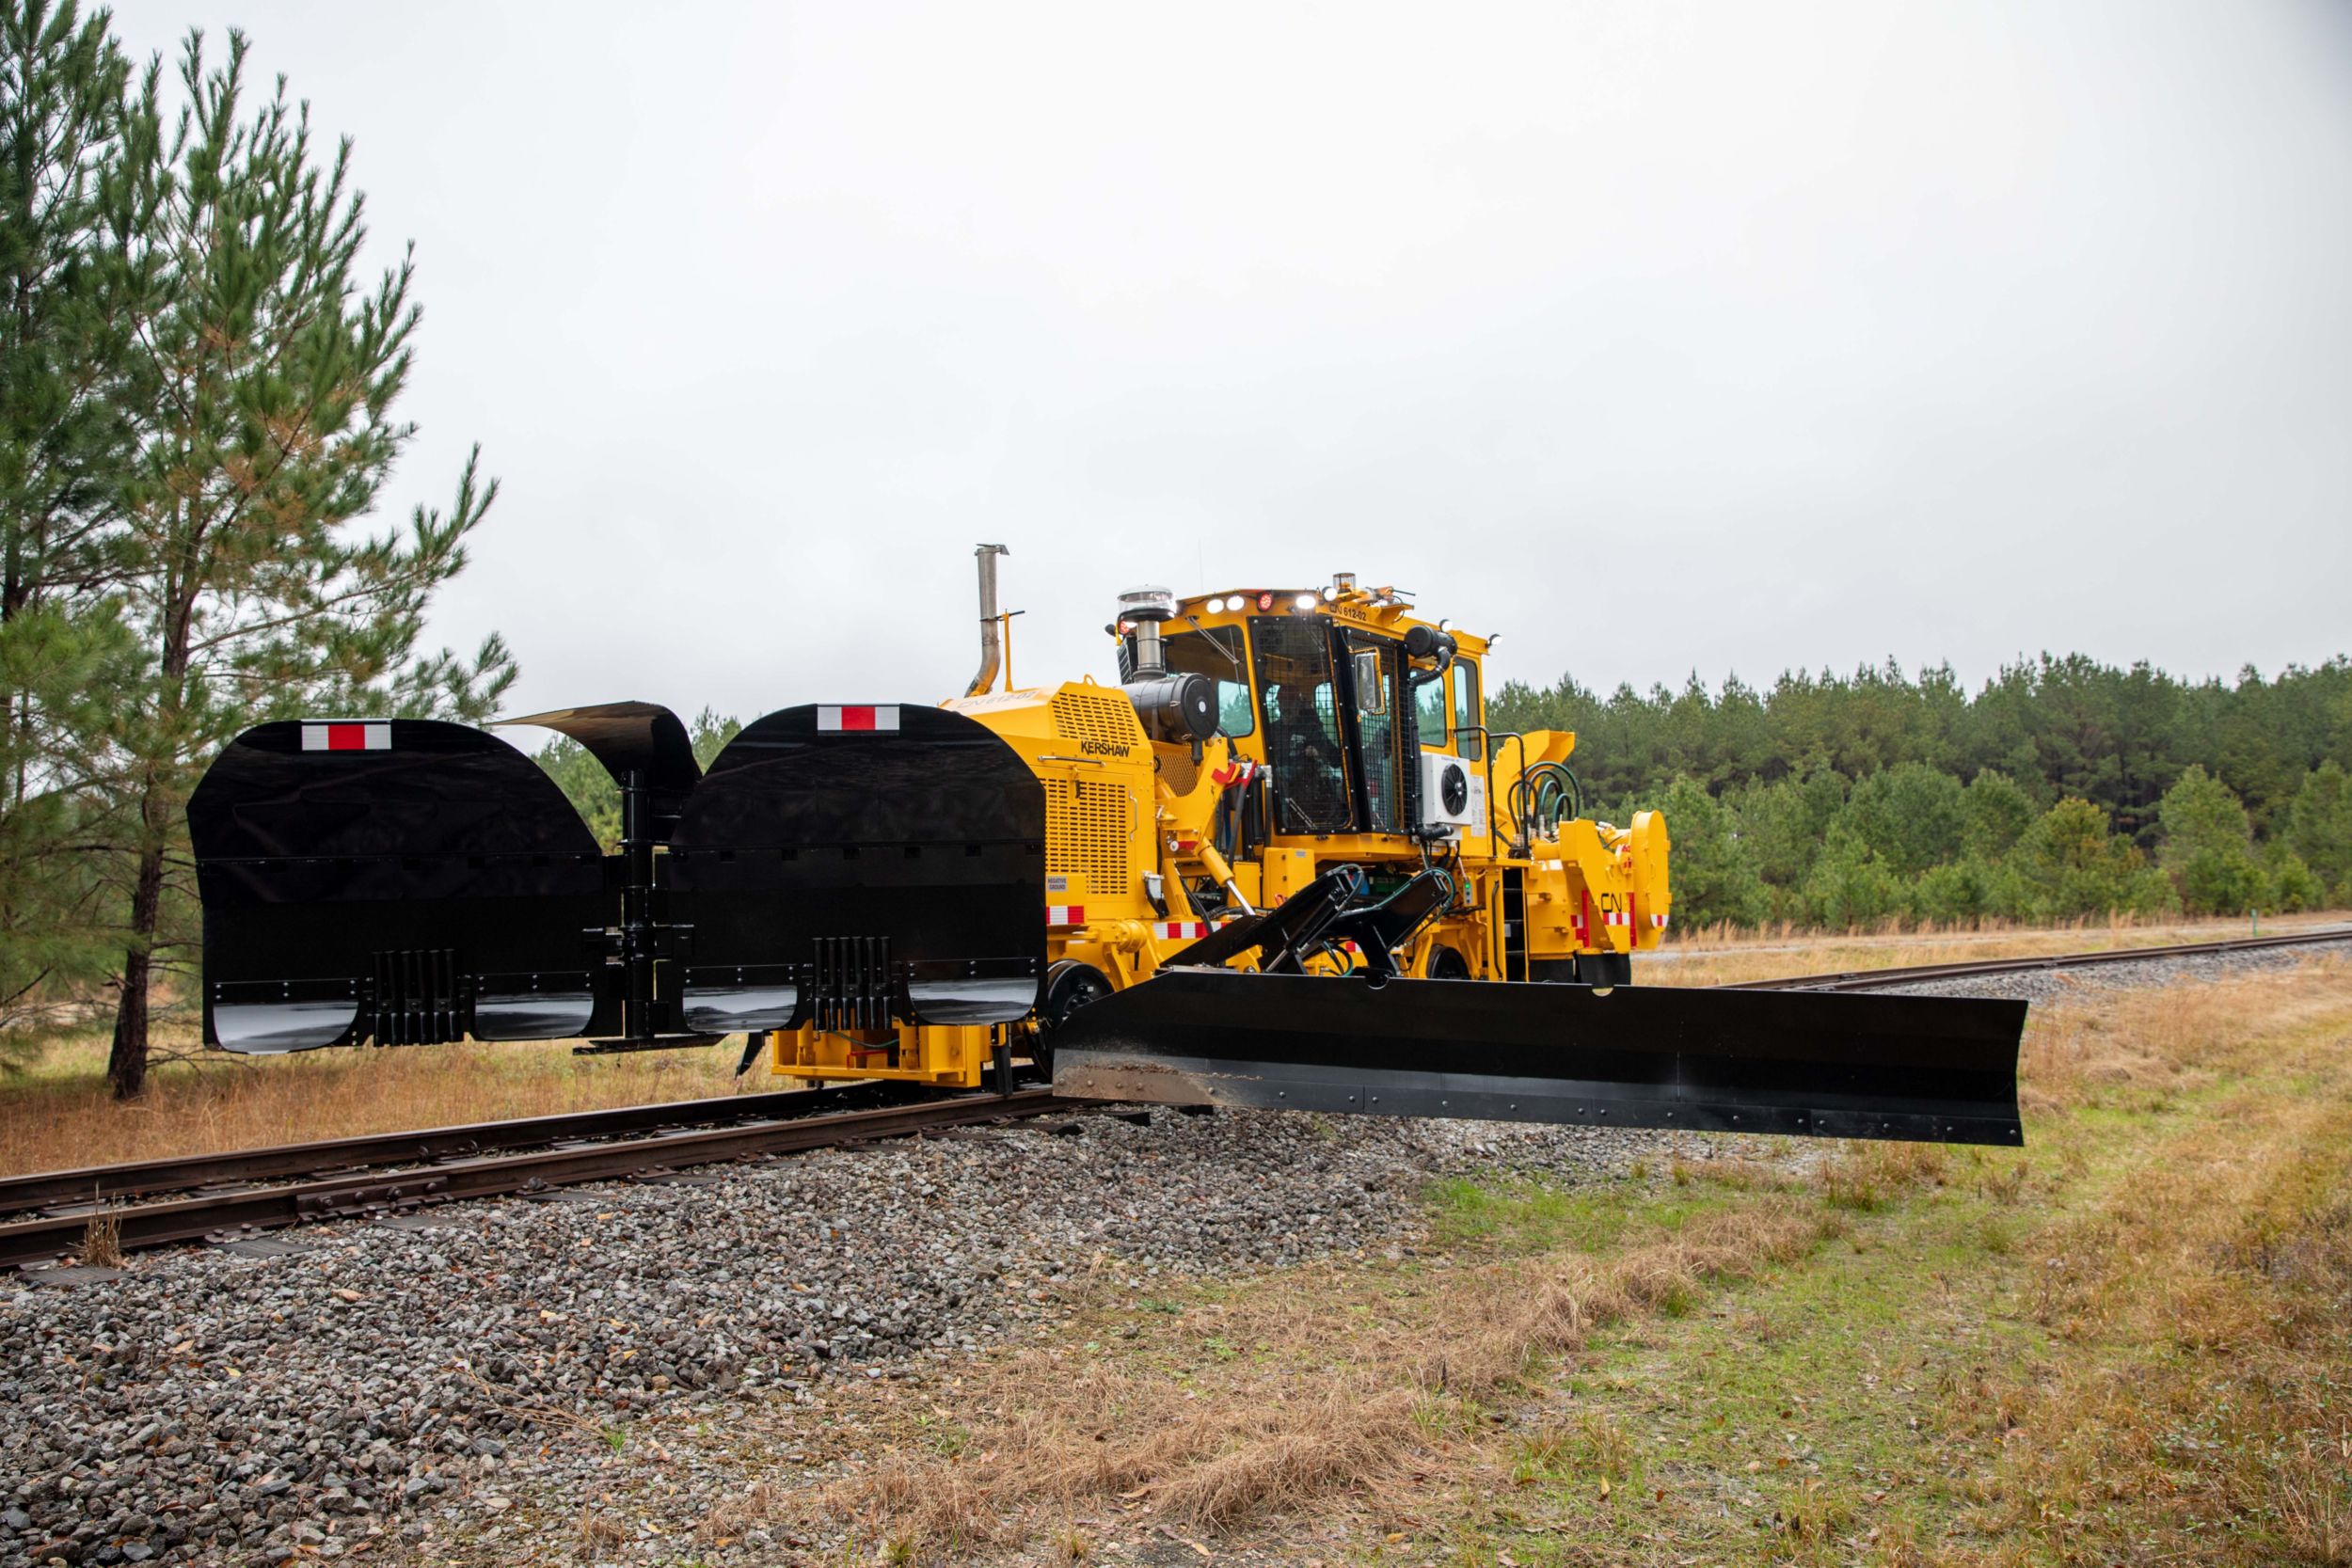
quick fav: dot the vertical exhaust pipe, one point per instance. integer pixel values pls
(991, 652)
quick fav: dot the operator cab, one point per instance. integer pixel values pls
(1340, 694)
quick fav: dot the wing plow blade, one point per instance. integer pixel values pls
(1842, 1065)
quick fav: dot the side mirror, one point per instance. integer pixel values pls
(1372, 691)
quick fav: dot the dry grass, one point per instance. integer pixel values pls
(60, 1115)
(2141, 1051)
(1723, 957)
(2198, 1309)
(1265, 1419)
(102, 1241)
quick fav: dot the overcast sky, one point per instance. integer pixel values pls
(1654, 337)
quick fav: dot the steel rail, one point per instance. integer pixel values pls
(95, 1185)
(1872, 979)
(228, 1215)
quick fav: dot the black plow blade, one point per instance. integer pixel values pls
(1928, 1069)
(409, 882)
(403, 881)
(859, 866)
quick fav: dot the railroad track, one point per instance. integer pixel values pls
(211, 1212)
(1872, 979)
(79, 1191)
(236, 1195)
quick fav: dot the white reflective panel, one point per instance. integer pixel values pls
(740, 1010)
(532, 1016)
(273, 1028)
(970, 1001)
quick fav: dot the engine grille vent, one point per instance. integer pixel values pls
(1086, 832)
(1177, 768)
(1108, 719)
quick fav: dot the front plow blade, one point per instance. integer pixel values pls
(1930, 1068)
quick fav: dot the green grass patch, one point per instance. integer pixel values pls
(1531, 1216)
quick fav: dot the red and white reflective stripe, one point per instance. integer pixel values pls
(831, 718)
(1065, 914)
(347, 737)
(1658, 921)
(1616, 917)
(1180, 930)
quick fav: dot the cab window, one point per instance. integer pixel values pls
(1466, 719)
(1216, 652)
(1429, 712)
(1377, 728)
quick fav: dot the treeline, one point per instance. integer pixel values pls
(2062, 788)
(198, 381)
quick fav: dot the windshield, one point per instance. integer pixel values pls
(1216, 652)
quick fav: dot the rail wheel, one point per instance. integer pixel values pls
(1069, 986)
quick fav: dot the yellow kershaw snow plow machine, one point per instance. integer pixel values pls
(1282, 862)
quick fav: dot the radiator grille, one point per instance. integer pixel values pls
(1107, 717)
(1086, 832)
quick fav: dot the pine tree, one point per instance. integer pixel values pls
(65, 442)
(269, 375)
(2207, 845)
(2320, 827)
(1714, 877)
(2072, 863)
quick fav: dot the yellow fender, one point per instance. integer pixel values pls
(1653, 895)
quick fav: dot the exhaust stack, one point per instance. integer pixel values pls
(991, 652)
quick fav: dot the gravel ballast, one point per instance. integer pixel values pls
(387, 1378)
(225, 1406)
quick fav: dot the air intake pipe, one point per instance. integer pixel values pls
(992, 656)
(1179, 707)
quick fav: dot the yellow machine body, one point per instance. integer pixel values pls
(1135, 871)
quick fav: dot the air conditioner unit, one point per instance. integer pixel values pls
(1449, 792)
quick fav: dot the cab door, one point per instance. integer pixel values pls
(1371, 669)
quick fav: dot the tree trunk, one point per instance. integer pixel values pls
(126, 1065)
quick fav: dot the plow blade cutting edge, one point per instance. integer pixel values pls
(1933, 1069)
